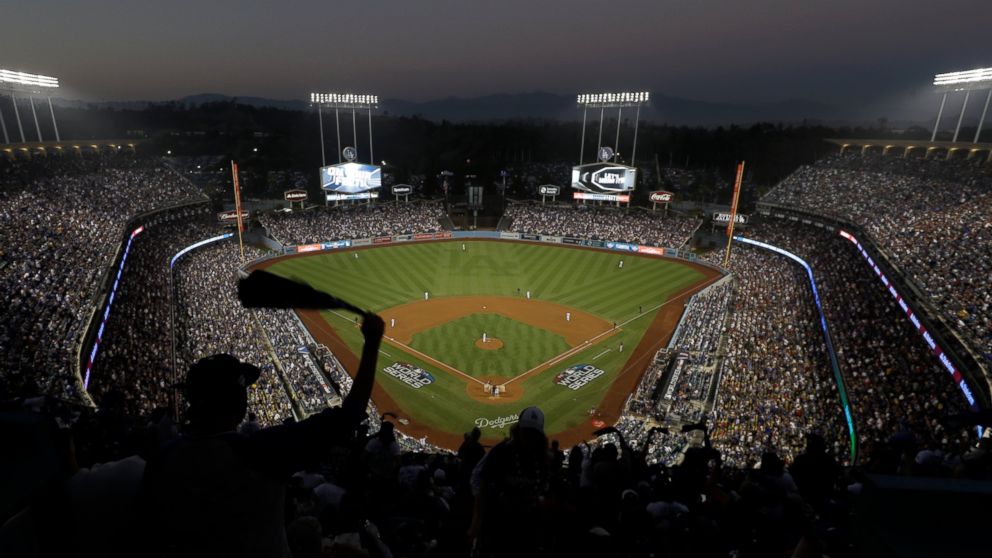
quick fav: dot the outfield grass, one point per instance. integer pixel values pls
(524, 346)
(589, 280)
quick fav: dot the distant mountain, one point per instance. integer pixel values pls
(541, 106)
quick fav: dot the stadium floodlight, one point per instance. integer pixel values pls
(613, 100)
(980, 78)
(345, 100)
(9, 79)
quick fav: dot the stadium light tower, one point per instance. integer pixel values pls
(979, 79)
(346, 101)
(619, 101)
(31, 85)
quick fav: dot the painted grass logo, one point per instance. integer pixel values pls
(577, 376)
(409, 374)
(498, 422)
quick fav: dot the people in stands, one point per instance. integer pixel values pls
(217, 492)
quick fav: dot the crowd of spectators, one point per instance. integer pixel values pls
(352, 221)
(306, 380)
(603, 223)
(211, 320)
(135, 358)
(776, 383)
(930, 215)
(894, 382)
(63, 221)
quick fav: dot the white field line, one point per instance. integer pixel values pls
(385, 353)
(601, 354)
(585, 344)
(433, 360)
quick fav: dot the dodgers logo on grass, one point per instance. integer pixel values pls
(409, 374)
(577, 376)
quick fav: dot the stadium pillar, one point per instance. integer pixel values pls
(34, 114)
(633, 151)
(55, 125)
(3, 126)
(616, 143)
(957, 128)
(337, 122)
(940, 111)
(17, 116)
(320, 118)
(371, 158)
(602, 111)
(981, 120)
(354, 129)
(582, 146)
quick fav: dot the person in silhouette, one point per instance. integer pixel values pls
(215, 492)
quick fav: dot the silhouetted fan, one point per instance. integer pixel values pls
(262, 289)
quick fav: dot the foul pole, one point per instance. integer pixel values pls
(733, 211)
(237, 209)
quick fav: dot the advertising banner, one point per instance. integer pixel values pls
(443, 234)
(653, 250)
(402, 189)
(382, 240)
(554, 239)
(295, 195)
(604, 178)
(403, 238)
(601, 197)
(232, 216)
(361, 241)
(359, 196)
(550, 190)
(530, 237)
(335, 244)
(350, 178)
(570, 240)
(621, 246)
(510, 235)
(594, 243)
(307, 248)
(423, 236)
(722, 217)
(661, 196)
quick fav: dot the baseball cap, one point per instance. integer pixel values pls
(217, 376)
(532, 417)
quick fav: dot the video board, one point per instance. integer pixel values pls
(604, 178)
(350, 178)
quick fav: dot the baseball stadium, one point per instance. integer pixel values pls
(346, 325)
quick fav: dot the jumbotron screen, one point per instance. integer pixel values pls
(604, 178)
(350, 178)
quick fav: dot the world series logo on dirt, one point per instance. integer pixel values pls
(409, 374)
(577, 376)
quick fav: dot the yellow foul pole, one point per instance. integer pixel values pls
(733, 211)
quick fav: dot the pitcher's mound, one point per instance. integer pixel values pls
(491, 344)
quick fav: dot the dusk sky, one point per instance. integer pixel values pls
(838, 51)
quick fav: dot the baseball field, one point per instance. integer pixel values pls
(478, 330)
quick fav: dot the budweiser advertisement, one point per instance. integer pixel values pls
(661, 196)
(231, 216)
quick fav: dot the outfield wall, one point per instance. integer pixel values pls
(674, 253)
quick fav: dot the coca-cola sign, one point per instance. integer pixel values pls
(661, 196)
(295, 195)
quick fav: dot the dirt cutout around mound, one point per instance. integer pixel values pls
(490, 344)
